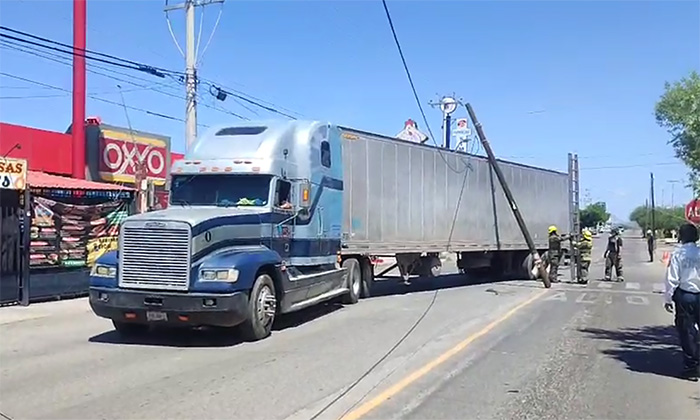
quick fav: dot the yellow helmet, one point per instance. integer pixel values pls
(587, 234)
(552, 229)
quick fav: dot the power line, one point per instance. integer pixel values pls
(59, 59)
(156, 71)
(641, 165)
(221, 94)
(145, 111)
(415, 92)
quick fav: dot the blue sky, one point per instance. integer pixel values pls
(545, 78)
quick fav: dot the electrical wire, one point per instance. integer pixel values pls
(145, 111)
(228, 89)
(58, 59)
(381, 359)
(214, 88)
(413, 88)
(72, 50)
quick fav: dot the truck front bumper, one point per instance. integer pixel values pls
(167, 308)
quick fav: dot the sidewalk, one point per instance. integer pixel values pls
(69, 307)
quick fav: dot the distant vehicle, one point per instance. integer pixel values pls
(270, 218)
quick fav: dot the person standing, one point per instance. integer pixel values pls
(613, 256)
(554, 253)
(585, 249)
(682, 290)
(651, 244)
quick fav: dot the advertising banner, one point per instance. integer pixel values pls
(71, 235)
(13, 173)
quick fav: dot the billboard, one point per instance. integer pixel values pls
(121, 153)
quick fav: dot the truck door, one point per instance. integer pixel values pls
(283, 228)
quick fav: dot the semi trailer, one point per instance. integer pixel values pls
(271, 217)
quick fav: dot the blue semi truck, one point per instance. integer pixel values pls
(271, 217)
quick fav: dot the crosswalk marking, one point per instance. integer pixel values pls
(605, 285)
(658, 287)
(632, 286)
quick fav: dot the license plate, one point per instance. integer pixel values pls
(156, 316)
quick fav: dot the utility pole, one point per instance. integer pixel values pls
(190, 64)
(79, 85)
(653, 209)
(673, 183)
(537, 260)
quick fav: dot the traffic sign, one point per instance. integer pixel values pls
(692, 211)
(462, 129)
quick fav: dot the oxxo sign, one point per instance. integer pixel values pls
(13, 174)
(120, 155)
(692, 211)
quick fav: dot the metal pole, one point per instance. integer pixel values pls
(191, 75)
(448, 123)
(78, 126)
(653, 206)
(511, 199)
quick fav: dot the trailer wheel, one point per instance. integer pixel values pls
(367, 269)
(130, 329)
(262, 308)
(353, 281)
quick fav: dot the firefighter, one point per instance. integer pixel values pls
(613, 256)
(585, 248)
(554, 253)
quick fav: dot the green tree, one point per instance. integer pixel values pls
(594, 214)
(665, 218)
(678, 111)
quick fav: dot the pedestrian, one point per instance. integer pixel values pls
(585, 248)
(651, 244)
(554, 253)
(613, 256)
(683, 290)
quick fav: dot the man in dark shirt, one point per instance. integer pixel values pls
(613, 256)
(651, 244)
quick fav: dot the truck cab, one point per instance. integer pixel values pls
(253, 230)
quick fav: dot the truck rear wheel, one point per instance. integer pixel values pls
(262, 308)
(129, 329)
(353, 281)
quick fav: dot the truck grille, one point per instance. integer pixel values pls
(155, 255)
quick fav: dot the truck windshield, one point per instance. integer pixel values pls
(222, 190)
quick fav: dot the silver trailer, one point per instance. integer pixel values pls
(414, 201)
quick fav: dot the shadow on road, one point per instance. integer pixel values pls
(393, 285)
(650, 349)
(211, 337)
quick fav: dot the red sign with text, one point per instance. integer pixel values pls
(121, 154)
(692, 211)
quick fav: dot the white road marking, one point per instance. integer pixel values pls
(658, 287)
(637, 300)
(603, 285)
(632, 286)
(560, 296)
(582, 298)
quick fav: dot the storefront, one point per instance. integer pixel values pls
(73, 222)
(14, 204)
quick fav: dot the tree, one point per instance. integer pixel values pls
(666, 219)
(678, 111)
(594, 214)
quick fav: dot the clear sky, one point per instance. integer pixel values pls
(545, 78)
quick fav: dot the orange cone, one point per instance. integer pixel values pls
(666, 258)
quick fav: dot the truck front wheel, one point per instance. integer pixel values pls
(353, 282)
(262, 308)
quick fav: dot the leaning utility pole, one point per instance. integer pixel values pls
(190, 63)
(510, 198)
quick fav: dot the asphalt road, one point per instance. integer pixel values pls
(505, 350)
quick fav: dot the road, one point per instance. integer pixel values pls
(434, 350)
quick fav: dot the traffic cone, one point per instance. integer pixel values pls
(666, 258)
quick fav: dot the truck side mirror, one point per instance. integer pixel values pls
(304, 196)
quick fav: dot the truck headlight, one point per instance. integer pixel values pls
(101, 270)
(229, 275)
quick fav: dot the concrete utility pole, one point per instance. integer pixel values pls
(190, 64)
